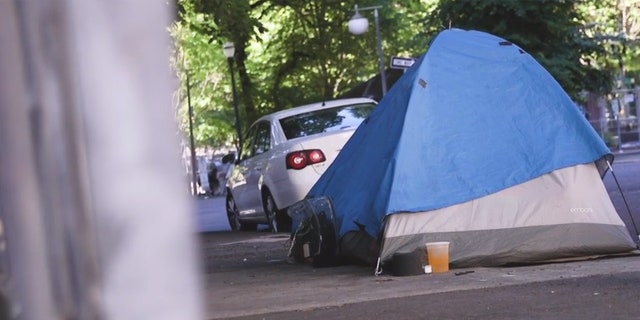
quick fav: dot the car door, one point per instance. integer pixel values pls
(255, 155)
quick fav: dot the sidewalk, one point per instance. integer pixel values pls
(606, 297)
(265, 283)
(627, 148)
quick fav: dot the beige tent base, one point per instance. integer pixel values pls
(566, 214)
(583, 258)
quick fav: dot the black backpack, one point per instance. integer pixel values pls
(314, 236)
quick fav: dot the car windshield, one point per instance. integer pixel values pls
(325, 120)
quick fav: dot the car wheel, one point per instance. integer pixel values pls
(232, 216)
(278, 220)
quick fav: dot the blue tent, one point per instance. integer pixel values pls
(474, 116)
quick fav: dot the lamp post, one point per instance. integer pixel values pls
(229, 51)
(192, 143)
(358, 25)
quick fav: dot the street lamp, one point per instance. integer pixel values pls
(229, 51)
(358, 25)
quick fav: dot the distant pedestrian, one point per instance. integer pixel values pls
(227, 166)
(212, 176)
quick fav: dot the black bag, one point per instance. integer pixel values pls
(313, 233)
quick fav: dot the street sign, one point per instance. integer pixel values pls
(628, 98)
(402, 62)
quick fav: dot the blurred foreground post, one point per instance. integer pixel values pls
(95, 220)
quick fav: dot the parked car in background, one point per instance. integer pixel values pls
(282, 157)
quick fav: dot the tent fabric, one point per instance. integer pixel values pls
(563, 214)
(475, 115)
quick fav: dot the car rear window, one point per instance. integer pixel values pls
(325, 120)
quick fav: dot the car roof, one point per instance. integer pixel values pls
(314, 106)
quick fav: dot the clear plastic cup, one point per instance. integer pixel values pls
(438, 256)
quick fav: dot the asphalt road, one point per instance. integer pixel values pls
(247, 277)
(626, 169)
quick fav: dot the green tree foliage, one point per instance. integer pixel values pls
(302, 52)
(615, 25)
(629, 18)
(549, 30)
(203, 79)
(288, 53)
(233, 21)
(292, 52)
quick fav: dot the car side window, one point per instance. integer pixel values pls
(262, 142)
(247, 145)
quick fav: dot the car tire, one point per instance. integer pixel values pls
(233, 217)
(278, 220)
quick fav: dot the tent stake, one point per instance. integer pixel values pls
(624, 199)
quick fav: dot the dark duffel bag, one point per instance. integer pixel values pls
(314, 238)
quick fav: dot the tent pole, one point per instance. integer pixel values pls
(624, 199)
(378, 268)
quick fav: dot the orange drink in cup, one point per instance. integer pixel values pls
(438, 256)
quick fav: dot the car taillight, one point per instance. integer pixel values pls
(299, 159)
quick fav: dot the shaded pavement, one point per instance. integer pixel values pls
(247, 277)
